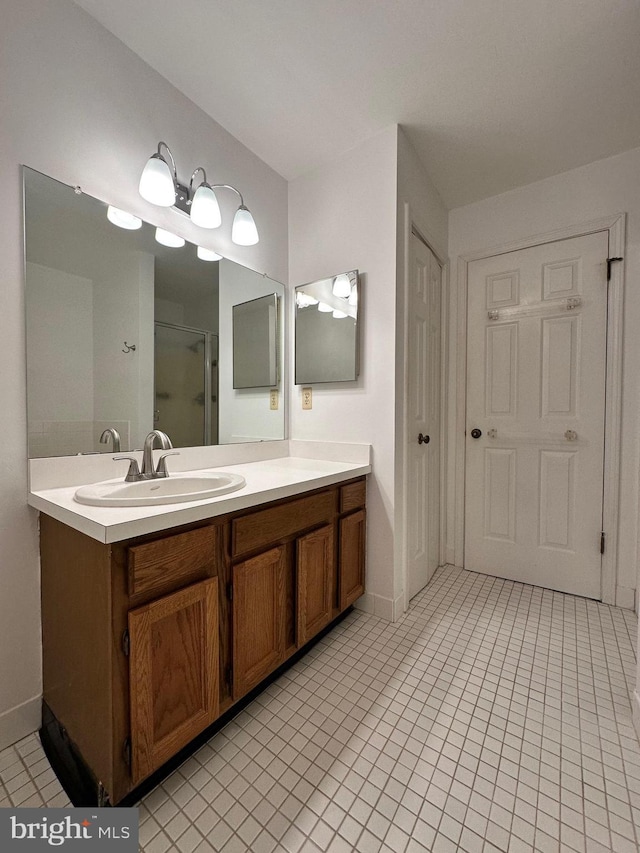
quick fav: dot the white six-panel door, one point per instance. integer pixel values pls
(536, 365)
(423, 416)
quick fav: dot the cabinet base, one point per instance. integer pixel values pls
(77, 779)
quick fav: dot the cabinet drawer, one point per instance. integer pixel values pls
(353, 496)
(268, 526)
(165, 563)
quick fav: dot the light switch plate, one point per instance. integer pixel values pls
(306, 398)
(273, 399)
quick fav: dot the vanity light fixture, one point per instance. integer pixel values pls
(207, 254)
(205, 210)
(158, 181)
(159, 185)
(342, 286)
(166, 238)
(123, 219)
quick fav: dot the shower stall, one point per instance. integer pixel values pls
(186, 384)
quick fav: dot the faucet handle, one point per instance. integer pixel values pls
(161, 470)
(133, 474)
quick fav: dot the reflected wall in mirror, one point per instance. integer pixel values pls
(327, 336)
(255, 343)
(94, 291)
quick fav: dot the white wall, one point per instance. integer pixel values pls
(81, 107)
(607, 187)
(244, 414)
(123, 311)
(343, 217)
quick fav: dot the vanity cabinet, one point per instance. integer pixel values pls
(146, 642)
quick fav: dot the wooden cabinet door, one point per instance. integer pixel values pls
(259, 602)
(352, 552)
(173, 673)
(315, 560)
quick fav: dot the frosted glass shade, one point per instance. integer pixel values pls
(208, 254)
(342, 286)
(324, 308)
(156, 182)
(166, 238)
(243, 230)
(205, 210)
(123, 219)
(339, 315)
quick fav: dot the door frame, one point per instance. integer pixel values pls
(615, 225)
(412, 227)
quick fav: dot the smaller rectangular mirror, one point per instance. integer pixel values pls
(255, 343)
(327, 337)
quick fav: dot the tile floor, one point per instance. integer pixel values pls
(493, 718)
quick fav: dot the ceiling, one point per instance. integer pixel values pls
(493, 94)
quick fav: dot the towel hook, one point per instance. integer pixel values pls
(129, 347)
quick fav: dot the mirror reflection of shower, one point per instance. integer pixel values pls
(186, 384)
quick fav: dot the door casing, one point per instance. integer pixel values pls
(410, 227)
(616, 227)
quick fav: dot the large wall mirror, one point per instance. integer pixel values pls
(128, 334)
(327, 339)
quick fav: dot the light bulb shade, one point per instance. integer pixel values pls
(205, 210)
(353, 297)
(324, 308)
(207, 254)
(243, 230)
(339, 315)
(166, 238)
(341, 286)
(157, 183)
(123, 219)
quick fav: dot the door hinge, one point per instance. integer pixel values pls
(602, 538)
(609, 262)
(126, 752)
(126, 642)
(230, 591)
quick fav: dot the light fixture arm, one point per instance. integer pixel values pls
(173, 162)
(228, 187)
(195, 172)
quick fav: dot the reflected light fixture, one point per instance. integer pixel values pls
(159, 185)
(324, 308)
(123, 219)
(303, 300)
(342, 286)
(339, 315)
(166, 238)
(207, 254)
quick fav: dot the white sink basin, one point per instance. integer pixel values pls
(176, 488)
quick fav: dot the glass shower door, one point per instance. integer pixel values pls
(183, 384)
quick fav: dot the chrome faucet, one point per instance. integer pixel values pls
(113, 434)
(148, 472)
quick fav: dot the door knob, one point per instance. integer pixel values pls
(424, 439)
(476, 433)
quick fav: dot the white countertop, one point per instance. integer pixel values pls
(266, 480)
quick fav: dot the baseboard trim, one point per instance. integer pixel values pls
(378, 605)
(20, 721)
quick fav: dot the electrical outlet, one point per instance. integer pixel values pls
(273, 399)
(306, 398)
